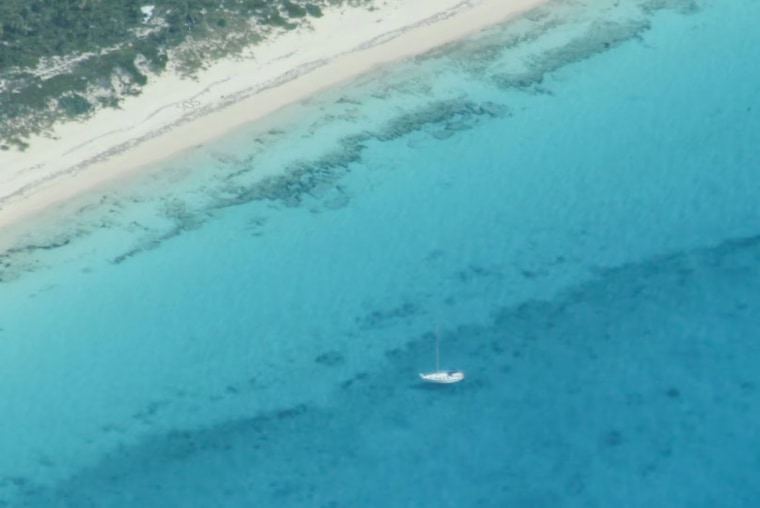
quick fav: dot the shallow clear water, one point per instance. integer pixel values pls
(570, 199)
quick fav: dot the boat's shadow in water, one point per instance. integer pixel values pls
(462, 386)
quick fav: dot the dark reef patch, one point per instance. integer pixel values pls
(330, 359)
(600, 37)
(380, 318)
(17, 260)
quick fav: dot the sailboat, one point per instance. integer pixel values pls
(441, 376)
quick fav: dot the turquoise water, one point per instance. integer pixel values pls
(570, 200)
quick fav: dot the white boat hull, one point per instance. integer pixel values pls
(443, 376)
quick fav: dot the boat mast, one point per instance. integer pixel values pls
(437, 353)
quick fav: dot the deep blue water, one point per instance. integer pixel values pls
(571, 200)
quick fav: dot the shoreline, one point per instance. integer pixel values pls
(174, 115)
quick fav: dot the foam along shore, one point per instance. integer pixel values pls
(174, 114)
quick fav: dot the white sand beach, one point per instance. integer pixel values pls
(174, 114)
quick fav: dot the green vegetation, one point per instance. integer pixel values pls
(67, 58)
(74, 105)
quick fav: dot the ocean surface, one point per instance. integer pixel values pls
(570, 202)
